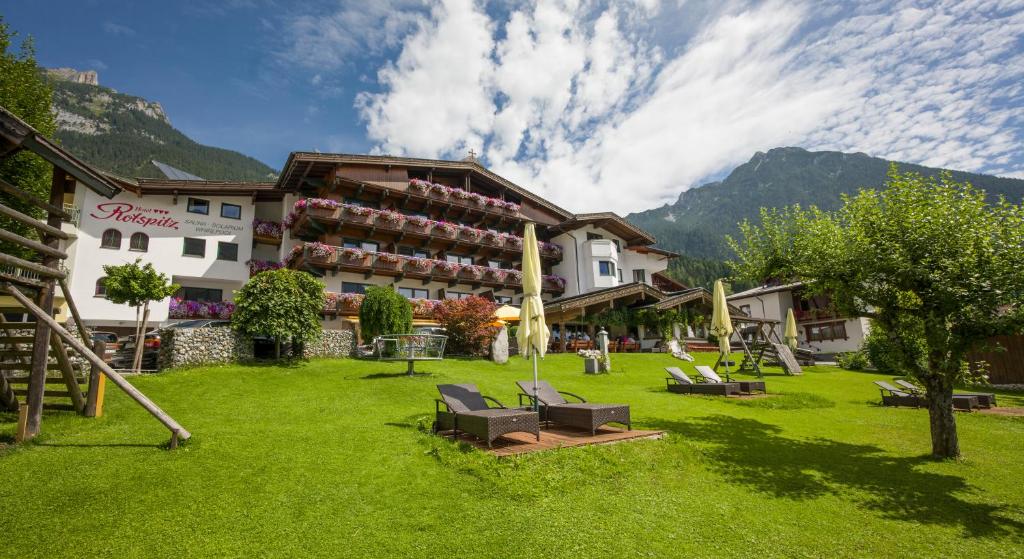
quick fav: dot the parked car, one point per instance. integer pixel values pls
(110, 339)
(151, 344)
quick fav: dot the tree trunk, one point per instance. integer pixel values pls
(140, 341)
(945, 443)
(277, 348)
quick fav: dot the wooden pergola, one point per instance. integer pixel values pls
(31, 281)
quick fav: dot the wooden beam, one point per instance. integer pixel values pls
(46, 228)
(96, 360)
(35, 201)
(74, 310)
(95, 377)
(67, 372)
(6, 235)
(41, 269)
(41, 340)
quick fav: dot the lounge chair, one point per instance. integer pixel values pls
(677, 351)
(892, 396)
(467, 410)
(680, 383)
(746, 386)
(985, 399)
(556, 409)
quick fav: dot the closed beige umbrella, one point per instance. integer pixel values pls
(790, 333)
(533, 331)
(721, 323)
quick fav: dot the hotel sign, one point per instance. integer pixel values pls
(157, 218)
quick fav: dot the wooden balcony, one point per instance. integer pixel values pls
(313, 223)
(426, 270)
(817, 314)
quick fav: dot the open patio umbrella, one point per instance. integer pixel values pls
(790, 334)
(533, 332)
(508, 313)
(721, 324)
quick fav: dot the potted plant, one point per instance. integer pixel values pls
(293, 255)
(445, 229)
(511, 207)
(594, 361)
(514, 277)
(331, 302)
(469, 233)
(390, 219)
(554, 282)
(461, 195)
(493, 238)
(514, 242)
(477, 199)
(472, 272)
(439, 191)
(496, 274)
(446, 269)
(320, 252)
(358, 214)
(420, 186)
(318, 207)
(353, 256)
(550, 249)
(418, 224)
(266, 229)
(389, 261)
(419, 265)
(349, 303)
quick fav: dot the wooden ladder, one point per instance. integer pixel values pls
(16, 363)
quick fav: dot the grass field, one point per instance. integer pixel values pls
(330, 458)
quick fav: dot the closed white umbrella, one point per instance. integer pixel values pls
(790, 335)
(533, 331)
(721, 324)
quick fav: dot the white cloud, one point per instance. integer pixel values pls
(118, 29)
(570, 100)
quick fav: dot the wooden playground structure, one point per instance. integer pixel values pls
(31, 280)
(764, 347)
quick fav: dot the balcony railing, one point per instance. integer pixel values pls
(319, 255)
(266, 231)
(320, 210)
(816, 314)
(74, 212)
(349, 303)
(181, 308)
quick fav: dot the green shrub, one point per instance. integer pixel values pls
(853, 360)
(384, 311)
(282, 304)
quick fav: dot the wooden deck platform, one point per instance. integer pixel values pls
(554, 438)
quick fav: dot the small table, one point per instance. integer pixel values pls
(749, 386)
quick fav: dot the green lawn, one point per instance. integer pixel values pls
(328, 458)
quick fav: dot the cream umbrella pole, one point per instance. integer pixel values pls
(533, 332)
(721, 324)
(790, 335)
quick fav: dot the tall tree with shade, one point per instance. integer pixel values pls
(384, 311)
(927, 259)
(281, 304)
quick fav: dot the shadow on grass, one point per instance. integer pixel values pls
(755, 454)
(102, 445)
(417, 374)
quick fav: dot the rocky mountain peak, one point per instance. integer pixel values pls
(88, 77)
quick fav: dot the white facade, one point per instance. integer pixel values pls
(818, 335)
(166, 224)
(582, 258)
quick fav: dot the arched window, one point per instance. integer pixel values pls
(111, 239)
(139, 242)
(101, 287)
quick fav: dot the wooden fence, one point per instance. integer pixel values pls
(1005, 363)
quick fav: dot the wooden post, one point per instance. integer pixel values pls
(140, 341)
(95, 379)
(20, 434)
(101, 393)
(8, 400)
(41, 341)
(561, 336)
(67, 372)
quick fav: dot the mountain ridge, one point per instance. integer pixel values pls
(698, 221)
(123, 133)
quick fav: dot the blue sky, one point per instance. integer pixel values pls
(627, 102)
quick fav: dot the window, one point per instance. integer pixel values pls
(413, 293)
(459, 259)
(101, 288)
(231, 211)
(139, 242)
(194, 247)
(594, 236)
(618, 247)
(198, 206)
(368, 246)
(227, 251)
(620, 276)
(825, 332)
(363, 203)
(350, 287)
(201, 294)
(111, 239)
(606, 268)
(503, 299)
(457, 295)
(414, 252)
(498, 264)
(640, 276)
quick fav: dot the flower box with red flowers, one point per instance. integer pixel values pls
(493, 238)
(349, 256)
(320, 253)
(446, 269)
(461, 195)
(514, 277)
(495, 274)
(514, 242)
(472, 272)
(553, 282)
(389, 261)
(418, 224)
(469, 233)
(440, 191)
(359, 214)
(420, 186)
(419, 265)
(318, 207)
(550, 249)
(390, 219)
(510, 207)
(445, 229)
(349, 303)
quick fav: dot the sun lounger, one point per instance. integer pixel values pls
(556, 409)
(467, 410)
(677, 351)
(892, 396)
(985, 399)
(680, 383)
(746, 386)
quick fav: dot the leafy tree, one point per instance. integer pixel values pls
(282, 304)
(927, 259)
(24, 92)
(137, 285)
(384, 311)
(470, 324)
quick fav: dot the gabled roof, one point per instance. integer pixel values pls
(602, 295)
(611, 222)
(169, 187)
(305, 164)
(175, 173)
(16, 134)
(764, 290)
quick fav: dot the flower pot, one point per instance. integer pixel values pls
(438, 194)
(440, 232)
(325, 213)
(348, 260)
(357, 218)
(394, 266)
(591, 366)
(411, 227)
(417, 268)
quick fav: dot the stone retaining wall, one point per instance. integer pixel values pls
(188, 347)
